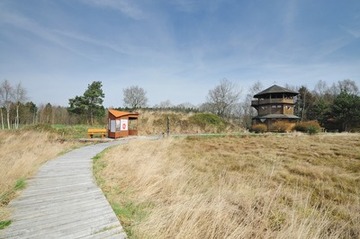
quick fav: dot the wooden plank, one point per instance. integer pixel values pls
(63, 201)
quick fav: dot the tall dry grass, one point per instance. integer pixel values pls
(293, 186)
(21, 154)
(155, 122)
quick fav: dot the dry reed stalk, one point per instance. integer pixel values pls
(21, 154)
(154, 122)
(293, 186)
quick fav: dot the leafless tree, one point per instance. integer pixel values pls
(348, 86)
(223, 97)
(6, 95)
(164, 104)
(19, 97)
(345, 85)
(248, 111)
(186, 105)
(135, 97)
(320, 88)
(1, 112)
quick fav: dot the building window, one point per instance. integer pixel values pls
(117, 125)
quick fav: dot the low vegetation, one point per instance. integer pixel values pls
(311, 127)
(282, 127)
(21, 154)
(259, 128)
(251, 186)
(155, 122)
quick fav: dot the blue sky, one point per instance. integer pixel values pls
(176, 50)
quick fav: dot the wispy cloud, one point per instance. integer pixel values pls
(185, 5)
(175, 49)
(289, 14)
(126, 7)
(353, 31)
(28, 25)
(92, 41)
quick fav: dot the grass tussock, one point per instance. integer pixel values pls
(157, 122)
(21, 154)
(293, 186)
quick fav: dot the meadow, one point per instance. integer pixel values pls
(216, 186)
(22, 152)
(250, 186)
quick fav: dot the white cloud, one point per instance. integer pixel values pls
(127, 7)
(43, 33)
(289, 14)
(93, 41)
(353, 31)
(159, 55)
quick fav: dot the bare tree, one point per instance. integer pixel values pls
(223, 97)
(46, 114)
(248, 111)
(164, 104)
(135, 97)
(348, 86)
(320, 88)
(6, 95)
(19, 97)
(1, 108)
(2, 117)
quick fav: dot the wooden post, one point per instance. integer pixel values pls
(167, 126)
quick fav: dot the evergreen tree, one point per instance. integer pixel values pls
(89, 105)
(346, 110)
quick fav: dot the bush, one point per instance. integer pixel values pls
(310, 127)
(259, 128)
(203, 119)
(312, 130)
(281, 127)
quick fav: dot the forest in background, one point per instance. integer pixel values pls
(335, 107)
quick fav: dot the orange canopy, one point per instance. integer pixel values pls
(119, 114)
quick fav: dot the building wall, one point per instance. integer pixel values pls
(288, 109)
(118, 132)
(276, 109)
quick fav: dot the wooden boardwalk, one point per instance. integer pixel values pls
(63, 201)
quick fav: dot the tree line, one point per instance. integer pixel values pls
(335, 107)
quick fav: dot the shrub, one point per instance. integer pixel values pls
(203, 119)
(310, 127)
(312, 130)
(281, 127)
(259, 128)
(300, 127)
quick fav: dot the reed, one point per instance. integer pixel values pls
(21, 154)
(268, 186)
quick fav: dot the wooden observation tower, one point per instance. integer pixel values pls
(273, 105)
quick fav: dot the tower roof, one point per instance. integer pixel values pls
(275, 89)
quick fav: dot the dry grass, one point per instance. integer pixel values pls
(154, 122)
(292, 186)
(21, 154)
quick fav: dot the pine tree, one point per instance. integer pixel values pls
(89, 105)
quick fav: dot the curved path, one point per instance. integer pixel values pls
(63, 201)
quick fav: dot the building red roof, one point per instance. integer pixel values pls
(119, 114)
